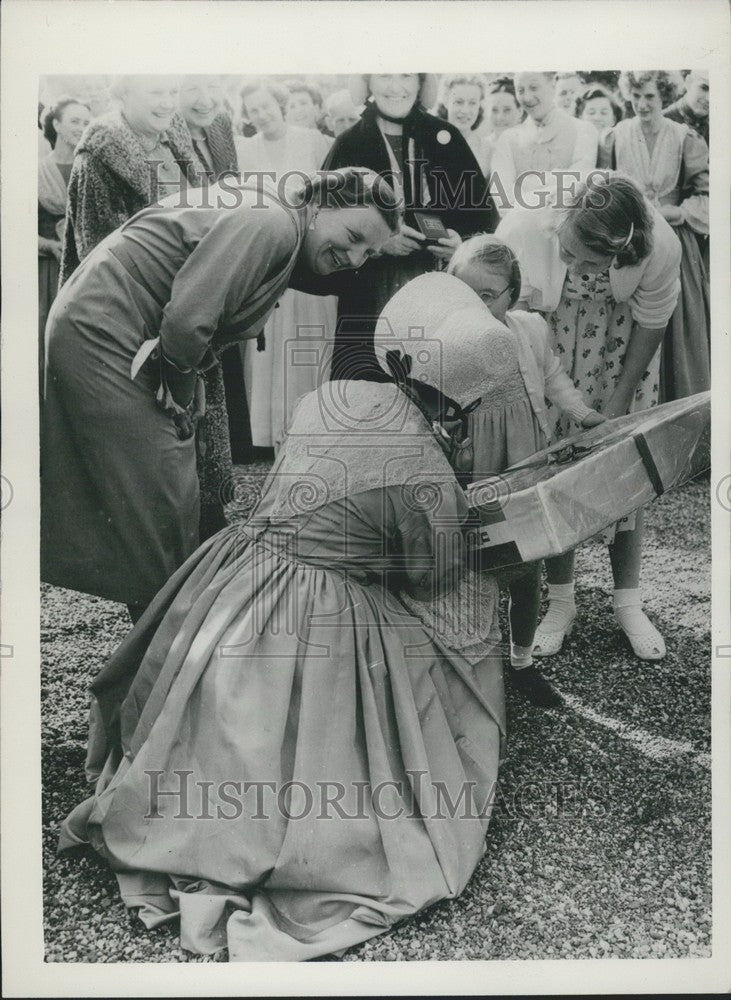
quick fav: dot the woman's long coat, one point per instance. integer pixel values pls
(119, 492)
(111, 180)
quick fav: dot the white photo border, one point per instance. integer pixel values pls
(41, 37)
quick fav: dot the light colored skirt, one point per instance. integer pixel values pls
(686, 351)
(503, 435)
(252, 668)
(296, 359)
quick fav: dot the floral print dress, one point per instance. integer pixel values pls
(590, 333)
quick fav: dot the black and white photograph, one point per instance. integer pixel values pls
(365, 451)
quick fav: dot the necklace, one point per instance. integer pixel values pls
(391, 118)
(146, 144)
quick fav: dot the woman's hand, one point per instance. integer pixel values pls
(593, 419)
(186, 420)
(405, 242)
(181, 395)
(446, 246)
(672, 214)
(179, 383)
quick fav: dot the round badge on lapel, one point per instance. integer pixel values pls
(443, 137)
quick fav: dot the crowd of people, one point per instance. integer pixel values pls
(182, 333)
(520, 125)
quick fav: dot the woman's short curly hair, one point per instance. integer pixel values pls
(635, 79)
(450, 80)
(462, 79)
(503, 85)
(353, 187)
(279, 93)
(301, 87)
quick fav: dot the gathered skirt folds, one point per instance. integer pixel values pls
(590, 334)
(590, 338)
(685, 366)
(372, 747)
(296, 359)
(503, 433)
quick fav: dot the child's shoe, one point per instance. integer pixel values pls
(645, 640)
(558, 622)
(539, 691)
(526, 678)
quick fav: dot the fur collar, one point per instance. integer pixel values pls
(110, 140)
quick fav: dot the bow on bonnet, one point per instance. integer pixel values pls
(437, 330)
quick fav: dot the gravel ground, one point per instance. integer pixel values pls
(600, 843)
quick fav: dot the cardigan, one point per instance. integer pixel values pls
(675, 174)
(543, 373)
(651, 287)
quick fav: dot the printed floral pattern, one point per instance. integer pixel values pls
(590, 333)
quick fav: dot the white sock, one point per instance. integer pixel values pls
(645, 639)
(628, 611)
(629, 598)
(563, 593)
(521, 656)
(561, 607)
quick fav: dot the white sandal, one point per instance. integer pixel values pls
(646, 642)
(557, 623)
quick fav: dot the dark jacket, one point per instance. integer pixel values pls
(456, 184)
(220, 138)
(446, 166)
(681, 112)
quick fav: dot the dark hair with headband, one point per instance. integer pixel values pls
(354, 187)
(609, 215)
(492, 253)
